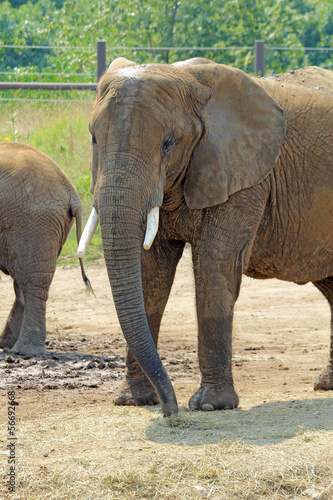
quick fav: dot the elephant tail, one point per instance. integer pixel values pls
(77, 213)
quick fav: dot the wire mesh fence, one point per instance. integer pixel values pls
(17, 82)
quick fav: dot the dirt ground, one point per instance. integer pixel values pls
(281, 342)
(276, 445)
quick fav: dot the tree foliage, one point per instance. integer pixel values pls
(158, 26)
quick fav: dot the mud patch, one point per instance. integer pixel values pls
(59, 370)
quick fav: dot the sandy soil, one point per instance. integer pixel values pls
(281, 343)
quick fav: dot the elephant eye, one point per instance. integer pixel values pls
(94, 139)
(167, 145)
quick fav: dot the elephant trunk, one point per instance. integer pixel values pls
(122, 226)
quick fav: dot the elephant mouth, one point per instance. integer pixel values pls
(92, 223)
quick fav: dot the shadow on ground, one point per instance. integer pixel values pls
(262, 425)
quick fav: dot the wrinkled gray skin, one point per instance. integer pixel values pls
(242, 170)
(38, 204)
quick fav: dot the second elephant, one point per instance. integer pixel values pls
(38, 204)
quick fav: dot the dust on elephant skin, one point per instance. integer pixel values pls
(241, 169)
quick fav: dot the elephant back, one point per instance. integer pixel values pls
(311, 77)
(32, 179)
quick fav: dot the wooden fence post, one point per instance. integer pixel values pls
(260, 58)
(101, 58)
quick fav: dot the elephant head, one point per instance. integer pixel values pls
(204, 129)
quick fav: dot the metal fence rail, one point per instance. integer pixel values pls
(259, 49)
(46, 86)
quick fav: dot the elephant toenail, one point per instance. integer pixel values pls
(207, 407)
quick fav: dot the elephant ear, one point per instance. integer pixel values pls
(244, 129)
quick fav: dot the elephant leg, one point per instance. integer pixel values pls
(158, 271)
(217, 282)
(325, 380)
(221, 253)
(31, 341)
(13, 325)
(12, 328)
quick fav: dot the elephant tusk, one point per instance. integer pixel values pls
(87, 234)
(152, 227)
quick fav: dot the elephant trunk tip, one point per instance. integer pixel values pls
(168, 398)
(170, 412)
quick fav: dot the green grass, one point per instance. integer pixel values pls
(61, 131)
(68, 254)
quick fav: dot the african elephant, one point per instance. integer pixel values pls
(241, 169)
(38, 204)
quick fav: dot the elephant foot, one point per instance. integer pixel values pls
(208, 398)
(136, 392)
(6, 342)
(8, 338)
(325, 380)
(27, 348)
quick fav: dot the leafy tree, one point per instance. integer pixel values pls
(318, 33)
(17, 3)
(127, 26)
(26, 25)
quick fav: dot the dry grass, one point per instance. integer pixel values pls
(114, 452)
